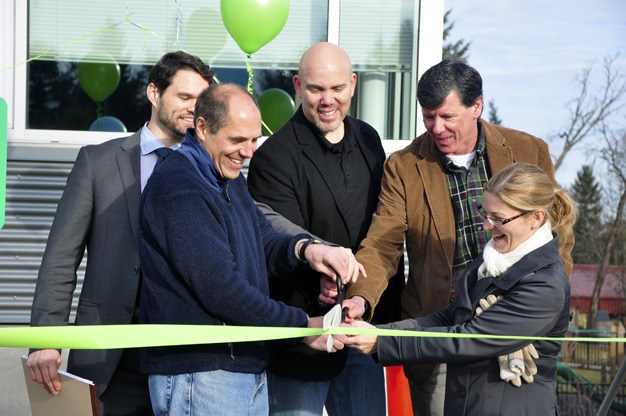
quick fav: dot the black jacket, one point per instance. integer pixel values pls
(286, 173)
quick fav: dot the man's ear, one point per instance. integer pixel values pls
(297, 85)
(200, 127)
(153, 94)
(478, 107)
(352, 84)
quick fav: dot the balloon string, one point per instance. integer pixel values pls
(179, 17)
(98, 110)
(270, 132)
(50, 52)
(127, 19)
(250, 75)
(250, 89)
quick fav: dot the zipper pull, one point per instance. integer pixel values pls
(224, 186)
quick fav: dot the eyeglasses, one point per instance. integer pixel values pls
(498, 222)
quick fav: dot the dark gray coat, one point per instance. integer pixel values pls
(99, 211)
(536, 298)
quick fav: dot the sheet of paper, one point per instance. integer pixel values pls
(77, 396)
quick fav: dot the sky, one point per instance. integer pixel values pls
(529, 53)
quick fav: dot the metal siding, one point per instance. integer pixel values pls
(33, 191)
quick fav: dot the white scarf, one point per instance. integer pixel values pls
(496, 263)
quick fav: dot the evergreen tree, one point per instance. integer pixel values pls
(588, 229)
(457, 50)
(493, 113)
(460, 50)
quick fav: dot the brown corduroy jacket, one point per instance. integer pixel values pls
(414, 205)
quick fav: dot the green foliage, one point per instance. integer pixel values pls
(456, 50)
(460, 50)
(493, 113)
(588, 230)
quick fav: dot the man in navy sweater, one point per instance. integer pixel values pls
(206, 251)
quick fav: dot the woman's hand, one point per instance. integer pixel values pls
(366, 344)
(319, 342)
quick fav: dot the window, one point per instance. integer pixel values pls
(47, 104)
(383, 56)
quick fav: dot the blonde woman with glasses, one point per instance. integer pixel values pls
(518, 286)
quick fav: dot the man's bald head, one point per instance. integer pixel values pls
(325, 83)
(324, 55)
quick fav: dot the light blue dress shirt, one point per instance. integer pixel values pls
(149, 143)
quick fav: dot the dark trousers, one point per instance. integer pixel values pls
(127, 394)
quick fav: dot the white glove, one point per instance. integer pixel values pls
(518, 365)
(529, 353)
(486, 303)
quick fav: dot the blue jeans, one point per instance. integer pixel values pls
(209, 393)
(358, 390)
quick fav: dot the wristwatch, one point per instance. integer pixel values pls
(304, 246)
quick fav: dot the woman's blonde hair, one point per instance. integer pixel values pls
(526, 187)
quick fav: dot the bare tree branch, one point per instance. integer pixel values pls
(615, 156)
(588, 111)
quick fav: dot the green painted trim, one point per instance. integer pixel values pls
(4, 129)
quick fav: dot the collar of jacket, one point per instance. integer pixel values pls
(480, 150)
(128, 162)
(201, 161)
(492, 138)
(529, 264)
(533, 261)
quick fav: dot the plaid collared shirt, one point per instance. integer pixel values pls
(466, 193)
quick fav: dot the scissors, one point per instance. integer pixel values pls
(341, 295)
(336, 315)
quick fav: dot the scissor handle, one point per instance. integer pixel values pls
(341, 295)
(341, 291)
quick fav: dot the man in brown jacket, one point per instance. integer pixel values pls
(431, 191)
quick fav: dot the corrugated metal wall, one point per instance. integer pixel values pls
(33, 190)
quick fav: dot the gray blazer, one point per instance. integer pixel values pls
(536, 299)
(99, 211)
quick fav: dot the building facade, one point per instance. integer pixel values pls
(53, 101)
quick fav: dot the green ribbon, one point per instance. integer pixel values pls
(133, 336)
(127, 19)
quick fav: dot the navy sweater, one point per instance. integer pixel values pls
(205, 254)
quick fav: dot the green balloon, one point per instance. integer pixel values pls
(204, 33)
(254, 23)
(98, 79)
(277, 107)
